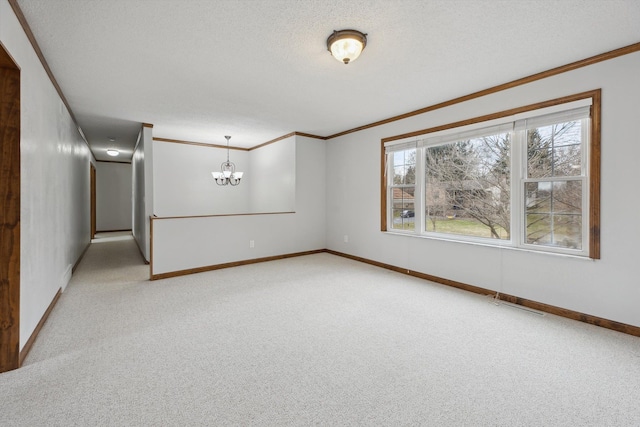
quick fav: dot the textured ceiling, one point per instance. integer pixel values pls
(201, 69)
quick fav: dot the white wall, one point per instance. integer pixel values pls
(273, 177)
(142, 190)
(186, 243)
(184, 185)
(113, 196)
(606, 288)
(55, 198)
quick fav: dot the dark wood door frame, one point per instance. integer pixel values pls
(92, 174)
(9, 212)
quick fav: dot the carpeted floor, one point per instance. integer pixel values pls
(314, 340)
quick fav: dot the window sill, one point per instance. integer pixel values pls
(504, 245)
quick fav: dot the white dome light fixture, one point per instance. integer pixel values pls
(227, 174)
(113, 152)
(346, 45)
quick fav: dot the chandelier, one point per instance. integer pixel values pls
(227, 174)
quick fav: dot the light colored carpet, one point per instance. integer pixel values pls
(314, 340)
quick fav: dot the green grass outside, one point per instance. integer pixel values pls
(471, 227)
(463, 226)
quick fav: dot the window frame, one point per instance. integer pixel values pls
(591, 166)
(390, 169)
(524, 178)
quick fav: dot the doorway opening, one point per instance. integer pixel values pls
(9, 212)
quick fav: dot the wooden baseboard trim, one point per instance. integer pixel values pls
(113, 231)
(551, 309)
(442, 281)
(558, 311)
(574, 315)
(232, 264)
(27, 347)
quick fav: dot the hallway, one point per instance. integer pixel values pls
(111, 269)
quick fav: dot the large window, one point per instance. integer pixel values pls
(522, 180)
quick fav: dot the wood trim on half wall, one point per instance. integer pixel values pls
(10, 212)
(230, 264)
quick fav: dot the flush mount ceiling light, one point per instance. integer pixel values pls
(346, 45)
(112, 152)
(227, 174)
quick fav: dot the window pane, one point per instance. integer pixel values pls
(554, 150)
(554, 213)
(404, 167)
(403, 210)
(467, 189)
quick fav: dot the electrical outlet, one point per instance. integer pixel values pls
(346, 238)
(252, 243)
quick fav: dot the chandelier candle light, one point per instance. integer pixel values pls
(227, 174)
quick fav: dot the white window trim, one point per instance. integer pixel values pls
(584, 178)
(517, 125)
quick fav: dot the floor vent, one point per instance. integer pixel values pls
(495, 299)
